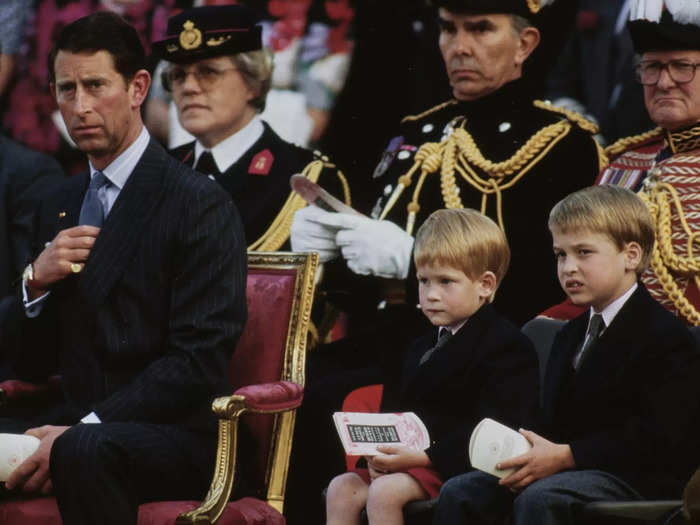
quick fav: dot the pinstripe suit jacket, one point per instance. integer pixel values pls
(145, 331)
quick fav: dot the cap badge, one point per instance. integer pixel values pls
(536, 5)
(191, 37)
(213, 42)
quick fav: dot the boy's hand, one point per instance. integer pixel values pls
(393, 458)
(544, 459)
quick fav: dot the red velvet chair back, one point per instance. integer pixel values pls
(264, 354)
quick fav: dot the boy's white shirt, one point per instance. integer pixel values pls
(608, 313)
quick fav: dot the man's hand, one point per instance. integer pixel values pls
(544, 459)
(372, 247)
(395, 458)
(33, 474)
(69, 247)
(309, 233)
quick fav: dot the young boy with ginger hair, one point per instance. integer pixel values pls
(480, 366)
(620, 393)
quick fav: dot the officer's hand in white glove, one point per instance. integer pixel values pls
(309, 233)
(372, 247)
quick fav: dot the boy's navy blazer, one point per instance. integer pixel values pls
(632, 408)
(487, 369)
(145, 331)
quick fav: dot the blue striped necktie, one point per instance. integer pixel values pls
(92, 211)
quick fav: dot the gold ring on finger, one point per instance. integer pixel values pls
(75, 268)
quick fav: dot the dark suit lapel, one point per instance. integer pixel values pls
(606, 356)
(461, 349)
(70, 201)
(123, 229)
(560, 363)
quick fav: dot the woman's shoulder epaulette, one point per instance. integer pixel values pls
(570, 115)
(625, 143)
(411, 118)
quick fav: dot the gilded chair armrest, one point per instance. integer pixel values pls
(271, 397)
(265, 398)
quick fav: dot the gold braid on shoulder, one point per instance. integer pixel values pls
(278, 232)
(583, 123)
(570, 114)
(623, 144)
(410, 118)
(459, 155)
(658, 196)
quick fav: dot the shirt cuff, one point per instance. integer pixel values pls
(32, 308)
(91, 418)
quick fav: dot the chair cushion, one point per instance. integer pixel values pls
(44, 511)
(245, 511)
(37, 511)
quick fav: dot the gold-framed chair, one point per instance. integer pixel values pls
(267, 372)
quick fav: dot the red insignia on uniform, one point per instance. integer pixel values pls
(261, 163)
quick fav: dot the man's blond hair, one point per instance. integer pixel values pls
(609, 210)
(463, 239)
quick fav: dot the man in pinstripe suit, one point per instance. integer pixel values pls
(137, 296)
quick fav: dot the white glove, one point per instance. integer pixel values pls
(310, 234)
(372, 247)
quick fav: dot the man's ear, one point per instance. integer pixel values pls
(487, 284)
(138, 87)
(633, 255)
(528, 40)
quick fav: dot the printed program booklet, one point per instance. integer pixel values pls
(362, 432)
(491, 442)
(14, 449)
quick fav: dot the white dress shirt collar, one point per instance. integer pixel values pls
(610, 311)
(119, 170)
(232, 148)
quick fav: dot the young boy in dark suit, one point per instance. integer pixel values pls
(481, 365)
(620, 388)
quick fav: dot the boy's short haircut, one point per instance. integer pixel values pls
(609, 210)
(464, 239)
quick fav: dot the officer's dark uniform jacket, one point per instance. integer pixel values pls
(505, 145)
(259, 184)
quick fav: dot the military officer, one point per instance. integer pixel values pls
(663, 165)
(219, 76)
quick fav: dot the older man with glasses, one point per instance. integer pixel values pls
(219, 76)
(663, 165)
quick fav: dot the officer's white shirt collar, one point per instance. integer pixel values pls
(119, 170)
(232, 148)
(610, 311)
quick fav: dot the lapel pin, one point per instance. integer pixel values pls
(61, 214)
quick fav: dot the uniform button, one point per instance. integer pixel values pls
(427, 128)
(504, 126)
(403, 154)
(388, 189)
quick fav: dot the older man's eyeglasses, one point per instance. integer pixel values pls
(206, 76)
(680, 71)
